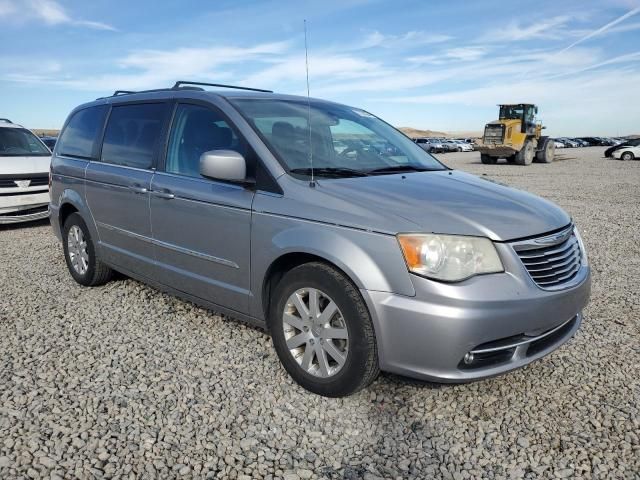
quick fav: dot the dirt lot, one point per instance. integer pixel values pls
(122, 381)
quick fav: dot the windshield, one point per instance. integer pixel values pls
(345, 141)
(19, 142)
(511, 112)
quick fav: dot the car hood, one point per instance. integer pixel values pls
(448, 202)
(24, 165)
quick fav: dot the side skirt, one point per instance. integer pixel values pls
(201, 302)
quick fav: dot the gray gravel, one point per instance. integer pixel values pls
(123, 381)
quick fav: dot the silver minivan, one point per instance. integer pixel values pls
(357, 250)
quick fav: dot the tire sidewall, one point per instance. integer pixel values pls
(82, 279)
(352, 371)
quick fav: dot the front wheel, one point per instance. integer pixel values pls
(80, 254)
(526, 154)
(488, 159)
(322, 331)
(627, 156)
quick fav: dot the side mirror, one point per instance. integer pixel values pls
(223, 165)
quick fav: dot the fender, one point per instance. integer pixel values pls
(373, 261)
(71, 196)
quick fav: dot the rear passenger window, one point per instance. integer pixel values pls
(132, 135)
(197, 130)
(79, 137)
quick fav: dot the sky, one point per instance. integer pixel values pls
(430, 64)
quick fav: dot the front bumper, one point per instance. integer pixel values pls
(23, 207)
(504, 320)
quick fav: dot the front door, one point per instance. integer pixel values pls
(117, 186)
(202, 227)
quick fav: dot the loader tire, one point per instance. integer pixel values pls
(526, 154)
(546, 151)
(488, 159)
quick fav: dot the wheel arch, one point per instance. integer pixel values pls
(71, 201)
(359, 260)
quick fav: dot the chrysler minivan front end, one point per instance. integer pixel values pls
(526, 304)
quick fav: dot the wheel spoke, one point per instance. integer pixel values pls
(297, 340)
(323, 362)
(308, 357)
(326, 314)
(336, 354)
(294, 321)
(314, 303)
(338, 333)
(299, 304)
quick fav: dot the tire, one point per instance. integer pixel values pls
(627, 156)
(526, 154)
(488, 159)
(80, 254)
(308, 341)
(547, 150)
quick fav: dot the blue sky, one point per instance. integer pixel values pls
(442, 65)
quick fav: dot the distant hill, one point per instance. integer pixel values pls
(46, 132)
(416, 133)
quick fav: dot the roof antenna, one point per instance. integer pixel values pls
(312, 183)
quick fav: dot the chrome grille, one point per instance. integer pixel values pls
(552, 260)
(36, 180)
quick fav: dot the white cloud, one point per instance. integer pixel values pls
(551, 28)
(409, 39)
(145, 69)
(603, 29)
(48, 12)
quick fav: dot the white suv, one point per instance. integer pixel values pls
(24, 174)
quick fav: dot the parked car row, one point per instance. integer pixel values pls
(566, 142)
(442, 145)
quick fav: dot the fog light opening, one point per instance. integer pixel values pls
(468, 358)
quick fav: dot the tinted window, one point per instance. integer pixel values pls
(79, 137)
(133, 133)
(196, 130)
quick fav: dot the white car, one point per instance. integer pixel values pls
(24, 174)
(627, 153)
(559, 144)
(463, 145)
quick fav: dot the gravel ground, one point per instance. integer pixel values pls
(123, 381)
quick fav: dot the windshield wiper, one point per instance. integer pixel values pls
(330, 172)
(399, 168)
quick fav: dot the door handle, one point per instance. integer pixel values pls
(138, 189)
(166, 195)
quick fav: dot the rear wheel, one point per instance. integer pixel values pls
(322, 331)
(547, 150)
(488, 159)
(627, 156)
(80, 254)
(526, 154)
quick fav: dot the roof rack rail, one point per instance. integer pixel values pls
(179, 84)
(122, 92)
(5, 120)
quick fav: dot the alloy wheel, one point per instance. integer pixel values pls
(77, 248)
(316, 332)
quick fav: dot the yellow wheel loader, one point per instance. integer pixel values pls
(517, 137)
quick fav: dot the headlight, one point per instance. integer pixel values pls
(450, 258)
